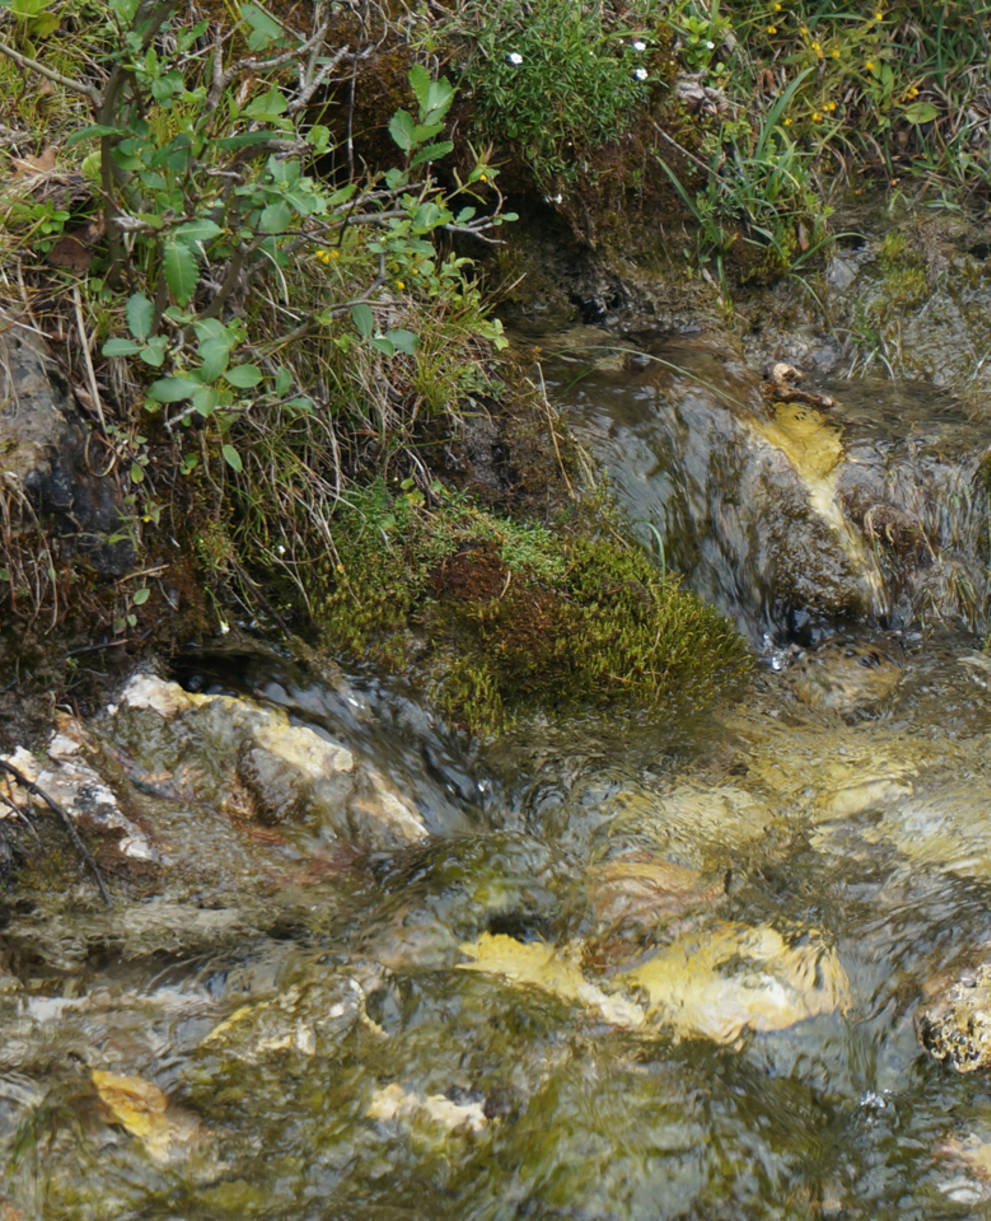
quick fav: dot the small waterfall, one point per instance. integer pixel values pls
(794, 521)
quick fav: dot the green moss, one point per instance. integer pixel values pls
(906, 282)
(498, 619)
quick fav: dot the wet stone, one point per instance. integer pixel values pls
(955, 1025)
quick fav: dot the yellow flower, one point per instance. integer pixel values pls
(830, 106)
(786, 122)
(804, 30)
(772, 29)
(400, 284)
(816, 117)
(483, 177)
(323, 256)
(879, 16)
(869, 65)
(835, 53)
(777, 8)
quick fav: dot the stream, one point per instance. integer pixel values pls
(607, 968)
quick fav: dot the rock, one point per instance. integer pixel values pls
(392, 1103)
(954, 1026)
(795, 521)
(556, 972)
(80, 790)
(726, 981)
(249, 759)
(44, 448)
(846, 676)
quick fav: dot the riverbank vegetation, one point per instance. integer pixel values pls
(259, 237)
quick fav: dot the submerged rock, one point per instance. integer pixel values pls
(719, 983)
(792, 519)
(732, 979)
(954, 1026)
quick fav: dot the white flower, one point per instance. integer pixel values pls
(639, 46)
(514, 58)
(639, 74)
(711, 46)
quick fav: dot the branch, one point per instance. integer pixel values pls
(67, 82)
(66, 818)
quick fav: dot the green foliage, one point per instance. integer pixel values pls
(807, 91)
(559, 78)
(519, 618)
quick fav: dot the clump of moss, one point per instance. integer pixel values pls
(906, 282)
(499, 619)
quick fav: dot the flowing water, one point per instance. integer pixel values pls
(631, 970)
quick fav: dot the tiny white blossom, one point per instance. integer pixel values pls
(514, 58)
(711, 46)
(639, 74)
(639, 46)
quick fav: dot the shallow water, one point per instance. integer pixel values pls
(497, 1022)
(277, 1048)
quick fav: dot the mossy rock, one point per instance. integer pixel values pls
(499, 619)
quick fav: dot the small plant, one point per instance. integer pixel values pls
(519, 618)
(559, 78)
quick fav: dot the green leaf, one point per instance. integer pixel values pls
(429, 217)
(206, 400)
(384, 345)
(433, 152)
(420, 82)
(215, 355)
(342, 196)
(232, 458)
(153, 353)
(243, 376)
(318, 137)
(173, 389)
(363, 319)
(200, 230)
(283, 380)
(88, 133)
(268, 105)
(140, 596)
(181, 272)
(439, 99)
(920, 112)
(140, 315)
(264, 29)
(402, 129)
(403, 341)
(120, 347)
(275, 218)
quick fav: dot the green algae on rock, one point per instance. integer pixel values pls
(497, 618)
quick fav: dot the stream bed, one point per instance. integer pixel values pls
(731, 965)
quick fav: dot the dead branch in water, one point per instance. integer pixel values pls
(37, 791)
